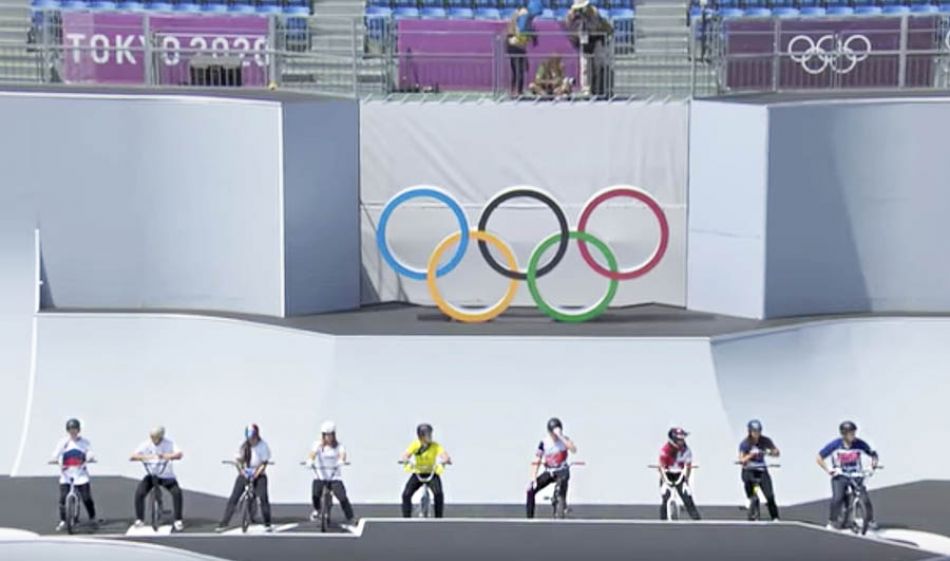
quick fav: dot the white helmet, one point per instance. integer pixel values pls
(328, 427)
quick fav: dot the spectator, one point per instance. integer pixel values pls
(590, 32)
(549, 80)
(519, 33)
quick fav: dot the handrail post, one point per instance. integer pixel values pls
(148, 62)
(902, 54)
(270, 50)
(776, 52)
(356, 69)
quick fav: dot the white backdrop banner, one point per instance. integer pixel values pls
(475, 150)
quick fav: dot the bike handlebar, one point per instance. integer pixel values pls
(656, 466)
(766, 465)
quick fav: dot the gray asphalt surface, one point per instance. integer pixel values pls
(594, 531)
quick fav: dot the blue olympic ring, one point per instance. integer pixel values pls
(415, 193)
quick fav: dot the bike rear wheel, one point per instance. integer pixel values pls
(755, 509)
(72, 513)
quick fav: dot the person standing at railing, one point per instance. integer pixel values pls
(590, 32)
(519, 33)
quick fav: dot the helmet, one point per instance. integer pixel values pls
(73, 424)
(251, 430)
(425, 429)
(677, 434)
(754, 425)
(554, 423)
(158, 432)
(847, 426)
(328, 427)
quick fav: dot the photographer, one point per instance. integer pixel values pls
(590, 32)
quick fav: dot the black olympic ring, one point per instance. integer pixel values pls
(531, 194)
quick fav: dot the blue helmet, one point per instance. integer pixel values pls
(251, 430)
(754, 425)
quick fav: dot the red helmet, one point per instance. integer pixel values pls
(677, 435)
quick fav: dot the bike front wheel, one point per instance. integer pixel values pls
(673, 510)
(246, 516)
(425, 505)
(156, 517)
(859, 517)
(325, 506)
(72, 513)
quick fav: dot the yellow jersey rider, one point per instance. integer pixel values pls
(424, 456)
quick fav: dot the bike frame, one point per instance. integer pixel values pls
(425, 503)
(72, 497)
(559, 511)
(666, 485)
(326, 495)
(856, 492)
(754, 503)
(248, 497)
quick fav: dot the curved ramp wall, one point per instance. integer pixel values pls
(489, 398)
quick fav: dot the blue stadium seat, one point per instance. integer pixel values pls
(560, 13)
(241, 7)
(214, 7)
(378, 3)
(297, 10)
(614, 4)
(923, 7)
(268, 7)
(785, 12)
(131, 7)
(432, 12)
(838, 8)
(945, 8)
(159, 6)
(103, 5)
(810, 8)
(866, 7)
(378, 11)
(74, 5)
(731, 12)
(405, 12)
(546, 13)
(40, 5)
(621, 13)
(487, 13)
(187, 7)
(461, 13)
(894, 9)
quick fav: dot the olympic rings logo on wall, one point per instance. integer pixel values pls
(840, 51)
(510, 268)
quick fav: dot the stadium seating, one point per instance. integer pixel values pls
(795, 8)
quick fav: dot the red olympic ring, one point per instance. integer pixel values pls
(643, 197)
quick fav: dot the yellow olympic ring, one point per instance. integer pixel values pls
(492, 311)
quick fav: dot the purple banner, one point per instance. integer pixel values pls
(470, 55)
(858, 52)
(109, 48)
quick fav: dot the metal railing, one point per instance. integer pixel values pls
(376, 56)
(778, 55)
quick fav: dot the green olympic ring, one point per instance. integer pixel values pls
(554, 312)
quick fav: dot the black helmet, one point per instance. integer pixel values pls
(677, 434)
(554, 423)
(754, 425)
(73, 424)
(425, 429)
(847, 426)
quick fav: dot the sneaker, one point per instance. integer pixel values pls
(830, 526)
(138, 524)
(219, 529)
(61, 526)
(178, 526)
(314, 515)
(268, 528)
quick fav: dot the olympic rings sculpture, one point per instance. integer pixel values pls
(828, 57)
(435, 268)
